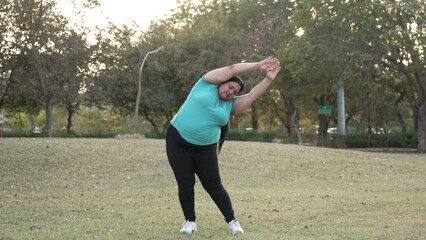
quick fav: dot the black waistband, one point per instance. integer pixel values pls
(172, 132)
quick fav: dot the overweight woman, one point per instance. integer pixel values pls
(197, 131)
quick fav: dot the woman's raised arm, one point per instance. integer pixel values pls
(219, 75)
(245, 101)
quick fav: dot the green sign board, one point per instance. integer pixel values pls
(325, 109)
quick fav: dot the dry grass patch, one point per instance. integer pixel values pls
(130, 136)
(125, 189)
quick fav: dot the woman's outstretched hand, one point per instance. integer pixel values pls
(272, 66)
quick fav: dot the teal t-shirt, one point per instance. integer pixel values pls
(202, 114)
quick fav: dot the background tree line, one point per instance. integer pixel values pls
(374, 48)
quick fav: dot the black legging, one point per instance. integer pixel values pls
(186, 160)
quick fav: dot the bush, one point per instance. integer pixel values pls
(154, 135)
(357, 141)
(253, 136)
(391, 140)
(400, 140)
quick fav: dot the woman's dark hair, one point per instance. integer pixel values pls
(237, 80)
(223, 132)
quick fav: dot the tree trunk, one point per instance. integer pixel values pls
(49, 116)
(322, 131)
(150, 120)
(399, 117)
(254, 118)
(32, 122)
(323, 120)
(285, 118)
(138, 95)
(296, 124)
(69, 119)
(422, 128)
(415, 110)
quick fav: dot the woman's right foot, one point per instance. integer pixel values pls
(235, 228)
(188, 227)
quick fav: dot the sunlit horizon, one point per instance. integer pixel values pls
(123, 12)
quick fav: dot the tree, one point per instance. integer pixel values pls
(390, 36)
(44, 65)
(138, 95)
(314, 64)
(75, 59)
(261, 20)
(398, 41)
(352, 41)
(116, 60)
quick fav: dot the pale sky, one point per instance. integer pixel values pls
(121, 11)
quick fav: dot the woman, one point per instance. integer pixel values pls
(192, 136)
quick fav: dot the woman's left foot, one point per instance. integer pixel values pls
(189, 227)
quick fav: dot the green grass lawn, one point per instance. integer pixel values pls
(125, 189)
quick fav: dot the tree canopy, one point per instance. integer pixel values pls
(376, 48)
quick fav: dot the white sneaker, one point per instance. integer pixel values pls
(235, 228)
(188, 227)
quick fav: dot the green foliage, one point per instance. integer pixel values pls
(153, 135)
(19, 122)
(375, 47)
(389, 140)
(88, 122)
(267, 136)
(357, 141)
(255, 136)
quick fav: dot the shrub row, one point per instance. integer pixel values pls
(400, 140)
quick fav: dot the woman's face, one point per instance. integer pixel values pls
(228, 90)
